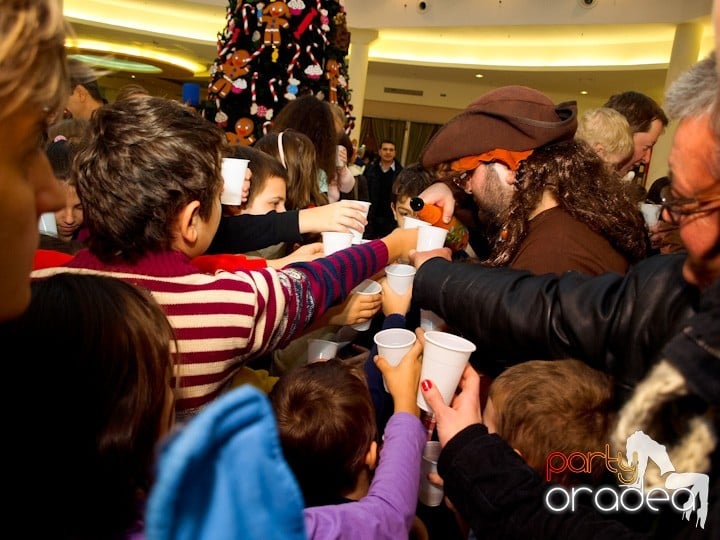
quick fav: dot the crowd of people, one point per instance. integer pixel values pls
(166, 332)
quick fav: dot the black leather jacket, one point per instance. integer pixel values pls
(617, 324)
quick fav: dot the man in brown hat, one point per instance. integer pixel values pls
(554, 218)
(478, 152)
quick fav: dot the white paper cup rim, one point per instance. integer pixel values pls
(446, 340)
(398, 269)
(408, 335)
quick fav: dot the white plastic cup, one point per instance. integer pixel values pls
(367, 286)
(47, 224)
(321, 349)
(651, 213)
(335, 241)
(410, 222)
(430, 494)
(233, 173)
(429, 320)
(393, 344)
(400, 277)
(430, 237)
(444, 359)
(357, 236)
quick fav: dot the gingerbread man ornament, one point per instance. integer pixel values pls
(234, 67)
(332, 74)
(243, 135)
(275, 17)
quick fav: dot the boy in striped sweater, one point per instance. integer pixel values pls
(150, 182)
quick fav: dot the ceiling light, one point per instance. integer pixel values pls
(584, 92)
(479, 75)
(138, 52)
(116, 64)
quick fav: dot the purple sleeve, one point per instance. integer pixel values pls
(387, 511)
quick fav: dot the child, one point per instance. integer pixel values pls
(296, 152)
(150, 181)
(209, 472)
(98, 352)
(267, 193)
(328, 435)
(540, 407)
(268, 185)
(68, 219)
(409, 183)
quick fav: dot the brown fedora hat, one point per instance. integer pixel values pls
(511, 117)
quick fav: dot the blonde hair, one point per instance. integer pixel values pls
(33, 70)
(607, 128)
(545, 406)
(643, 411)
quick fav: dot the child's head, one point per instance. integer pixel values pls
(69, 218)
(268, 182)
(148, 166)
(102, 369)
(326, 421)
(545, 406)
(296, 152)
(608, 133)
(409, 183)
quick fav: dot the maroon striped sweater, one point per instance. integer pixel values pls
(223, 320)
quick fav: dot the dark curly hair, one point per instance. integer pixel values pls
(584, 187)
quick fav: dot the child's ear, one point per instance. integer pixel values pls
(372, 455)
(188, 220)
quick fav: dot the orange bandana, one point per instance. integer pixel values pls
(509, 157)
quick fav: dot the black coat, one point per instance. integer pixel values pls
(620, 325)
(616, 324)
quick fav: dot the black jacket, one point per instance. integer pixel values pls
(249, 232)
(616, 324)
(381, 220)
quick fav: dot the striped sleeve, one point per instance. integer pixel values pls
(312, 287)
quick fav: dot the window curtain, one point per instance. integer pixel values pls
(393, 130)
(420, 134)
(365, 131)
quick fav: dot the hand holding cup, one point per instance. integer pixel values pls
(403, 379)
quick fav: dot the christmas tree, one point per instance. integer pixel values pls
(272, 52)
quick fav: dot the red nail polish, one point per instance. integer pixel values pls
(426, 385)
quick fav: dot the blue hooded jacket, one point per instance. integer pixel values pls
(223, 476)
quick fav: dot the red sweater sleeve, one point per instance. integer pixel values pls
(46, 258)
(209, 264)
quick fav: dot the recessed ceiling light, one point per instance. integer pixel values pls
(584, 92)
(116, 63)
(479, 75)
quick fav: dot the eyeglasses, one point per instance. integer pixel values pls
(678, 207)
(461, 179)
